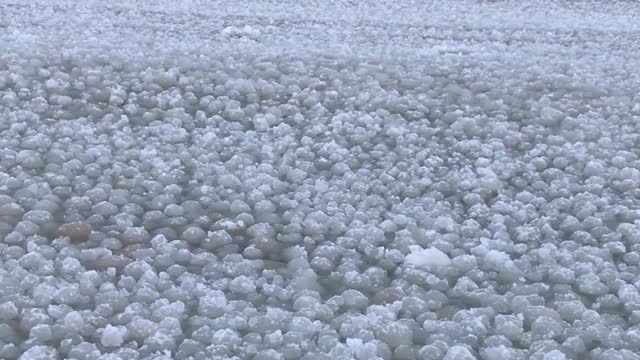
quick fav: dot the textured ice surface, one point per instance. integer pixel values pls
(319, 180)
(430, 257)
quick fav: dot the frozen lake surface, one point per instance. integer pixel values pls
(334, 180)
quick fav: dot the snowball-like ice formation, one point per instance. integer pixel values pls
(431, 257)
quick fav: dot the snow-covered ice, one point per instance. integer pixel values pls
(319, 180)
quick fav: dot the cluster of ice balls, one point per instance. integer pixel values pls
(277, 208)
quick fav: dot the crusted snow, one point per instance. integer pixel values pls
(319, 180)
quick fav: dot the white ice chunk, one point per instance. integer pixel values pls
(458, 352)
(430, 257)
(554, 355)
(39, 353)
(112, 335)
(496, 260)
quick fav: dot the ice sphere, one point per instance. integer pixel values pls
(269, 354)
(40, 217)
(501, 352)
(273, 339)
(73, 321)
(464, 262)
(40, 332)
(194, 235)
(496, 260)
(119, 197)
(239, 206)
(228, 180)
(315, 223)
(97, 195)
(510, 326)
(554, 355)
(242, 285)
(69, 295)
(630, 295)
(427, 258)
(550, 116)
(11, 209)
(303, 325)
(561, 275)
(546, 327)
(84, 350)
(590, 284)
(104, 208)
(174, 210)
(8, 311)
(70, 266)
(135, 235)
(261, 231)
(264, 207)
(171, 326)
(362, 350)
(29, 159)
(43, 294)
(405, 352)
(39, 352)
(213, 304)
(160, 341)
(27, 228)
(458, 352)
(140, 329)
(396, 334)
(14, 237)
(226, 337)
(137, 269)
(355, 299)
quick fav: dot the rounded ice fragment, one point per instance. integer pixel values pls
(426, 258)
(136, 235)
(112, 336)
(76, 231)
(458, 352)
